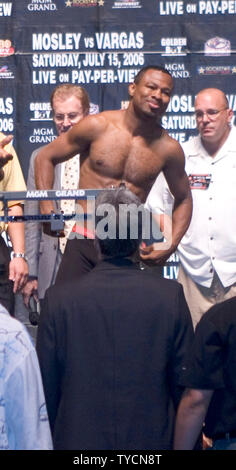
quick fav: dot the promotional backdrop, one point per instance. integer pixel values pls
(101, 45)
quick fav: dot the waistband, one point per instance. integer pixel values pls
(83, 231)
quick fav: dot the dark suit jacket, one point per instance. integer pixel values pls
(111, 349)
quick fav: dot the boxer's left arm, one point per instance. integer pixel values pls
(173, 229)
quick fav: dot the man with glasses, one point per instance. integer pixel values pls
(70, 103)
(207, 252)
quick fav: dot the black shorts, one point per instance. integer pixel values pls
(79, 258)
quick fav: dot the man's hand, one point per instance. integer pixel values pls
(4, 155)
(18, 273)
(155, 254)
(30, 288)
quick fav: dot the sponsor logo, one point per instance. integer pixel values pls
(127, 4)
(6, 48)
(70, 192)
(37, 193)
(42, 135)
(94, 108)
(217, 70)
(41, 111)
(177, 70)
(174, 46)
(84, 3)
(42, 5)
(5, 72)
(217, 47)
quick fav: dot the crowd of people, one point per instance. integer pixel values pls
(124, 359)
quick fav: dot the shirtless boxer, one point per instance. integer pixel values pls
(127, 146)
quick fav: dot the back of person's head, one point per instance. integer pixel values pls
(118, 222)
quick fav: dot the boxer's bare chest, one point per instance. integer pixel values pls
(118, 156)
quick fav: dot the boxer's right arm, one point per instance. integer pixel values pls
(76, 140)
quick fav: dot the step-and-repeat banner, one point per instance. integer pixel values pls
(101, 45)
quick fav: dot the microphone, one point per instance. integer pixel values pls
(34, 311)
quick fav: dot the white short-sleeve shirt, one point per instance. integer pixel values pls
(210, 241)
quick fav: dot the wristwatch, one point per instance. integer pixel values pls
(19, 255)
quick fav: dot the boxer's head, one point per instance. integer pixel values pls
(150, 92)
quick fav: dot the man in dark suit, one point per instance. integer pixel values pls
(209, 401)
(111, 346)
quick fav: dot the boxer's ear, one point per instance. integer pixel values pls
(131, 89)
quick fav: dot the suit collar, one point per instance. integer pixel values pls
(116, 263)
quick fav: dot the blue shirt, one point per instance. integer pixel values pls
(23, 416)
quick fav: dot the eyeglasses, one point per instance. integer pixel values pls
(210, 113)
(70, 116)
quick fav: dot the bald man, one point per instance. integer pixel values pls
(207, 252)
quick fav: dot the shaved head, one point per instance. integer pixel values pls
(213, 117)
(215, 93)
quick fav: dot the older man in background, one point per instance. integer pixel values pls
(70, 103)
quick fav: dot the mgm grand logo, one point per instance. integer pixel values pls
(84, 3)
(42, 5)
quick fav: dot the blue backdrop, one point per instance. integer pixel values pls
(101, 45)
